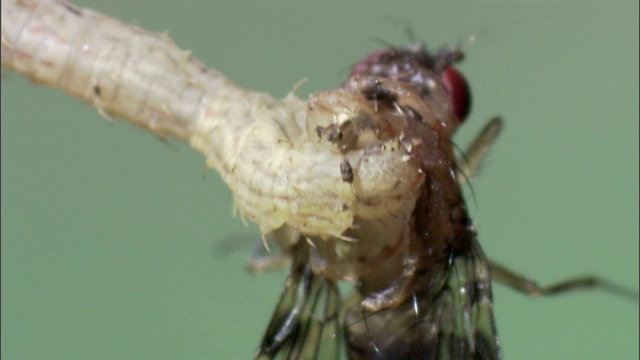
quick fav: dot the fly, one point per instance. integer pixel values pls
(422, 281)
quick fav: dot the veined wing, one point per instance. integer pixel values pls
(464, 310)
(452, 319)
(306, 320)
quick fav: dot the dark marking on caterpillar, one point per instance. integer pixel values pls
(347, 171)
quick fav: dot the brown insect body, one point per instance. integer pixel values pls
(423, 285)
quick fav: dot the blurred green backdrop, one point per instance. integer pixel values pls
(110, 237)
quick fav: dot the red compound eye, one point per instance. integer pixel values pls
(458, 91)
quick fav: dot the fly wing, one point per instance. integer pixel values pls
(305, 322)
(463, 310)
(452, 319)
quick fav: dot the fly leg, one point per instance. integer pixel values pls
(476, 152)
(263, 259)
(529, 287)
(260, 259)
(471, 160)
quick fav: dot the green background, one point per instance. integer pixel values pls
(111, 239)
